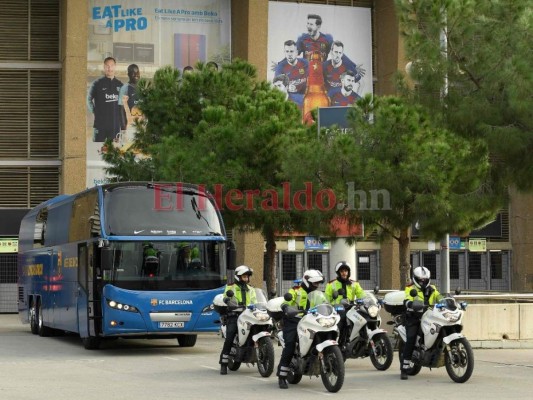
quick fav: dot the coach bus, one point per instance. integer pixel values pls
(128, 260)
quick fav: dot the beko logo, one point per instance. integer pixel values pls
(112, 97)
(174, 302)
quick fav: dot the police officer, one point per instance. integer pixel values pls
(311, 281)
(243, 295)
(351, 290)
(426, 294)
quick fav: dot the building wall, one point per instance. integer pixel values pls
(74, 17)
(249, 42)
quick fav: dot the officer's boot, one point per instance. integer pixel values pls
(223, 369)
(405, 366)
(283, 382)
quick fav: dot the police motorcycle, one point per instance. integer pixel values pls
(317, 351)
(360, 334)
(440, 341)
(253, 344)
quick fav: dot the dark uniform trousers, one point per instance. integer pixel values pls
(412, 324)
(290, 326)
(231, 332)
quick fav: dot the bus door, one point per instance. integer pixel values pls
(83, 293)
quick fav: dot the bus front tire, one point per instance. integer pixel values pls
(91, 343)
(187, 340)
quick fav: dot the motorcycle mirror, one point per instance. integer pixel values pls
(287, 296)
(230, 293)
(413, 292)
(457, 291)
(376, 289)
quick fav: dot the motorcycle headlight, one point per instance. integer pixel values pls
(121, 306)
(261, 316)
(326, 322)
(451, 317)
(373, 311)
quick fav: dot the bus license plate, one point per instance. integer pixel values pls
(171, 324)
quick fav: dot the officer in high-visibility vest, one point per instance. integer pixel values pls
(351, 289)
(311, 281)
(429, 295)
(243, 295)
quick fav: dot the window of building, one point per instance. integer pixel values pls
(474, 266)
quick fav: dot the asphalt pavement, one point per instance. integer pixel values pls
(57, 368)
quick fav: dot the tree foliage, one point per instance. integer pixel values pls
(472, 66)
(395, 167)
(224, 130)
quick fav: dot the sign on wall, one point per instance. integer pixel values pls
(9, 245)
(131, 39)
(319, 55)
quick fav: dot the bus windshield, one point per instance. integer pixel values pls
(168, 265)
(158, 210)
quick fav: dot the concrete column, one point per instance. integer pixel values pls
(341, 251)
(250, 251)
(249, 33)
(74, 17)
(521, 225)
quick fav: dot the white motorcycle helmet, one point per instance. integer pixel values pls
(242, 270)
(312, 279)
(421, 277)
(343, 264)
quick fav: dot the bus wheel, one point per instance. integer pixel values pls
(187, 340)
(91, 343)
(34, 322)
(42, 330)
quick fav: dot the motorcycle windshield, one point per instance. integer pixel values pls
(325, 310)
(370, 300)
(317, 297)
(261, 300)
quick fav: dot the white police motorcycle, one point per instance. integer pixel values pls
(361, 335)
(317, 351)
(253, 344)
(440, 341)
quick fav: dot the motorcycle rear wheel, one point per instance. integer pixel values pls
(383, 354)
(332, 370)
(265, 357)
(459, 360)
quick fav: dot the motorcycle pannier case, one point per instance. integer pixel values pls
(393, 302)
(219, 305)
(274, 308)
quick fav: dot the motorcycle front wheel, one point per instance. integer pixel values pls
(382, 354)
(265, 357)
(295, 376)
(332, 369)
(460, 360)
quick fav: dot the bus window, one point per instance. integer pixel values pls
(40, 228)
(83, 218)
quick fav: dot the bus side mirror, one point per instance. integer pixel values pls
(231, 255)
(106, 258)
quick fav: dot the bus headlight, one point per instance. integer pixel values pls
(121, 306)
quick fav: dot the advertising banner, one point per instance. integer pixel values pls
(319, 55)
(131, 39)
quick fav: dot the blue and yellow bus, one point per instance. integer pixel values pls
(133, 259)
